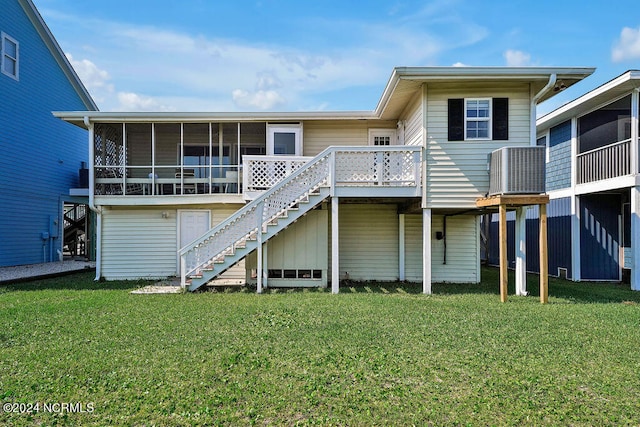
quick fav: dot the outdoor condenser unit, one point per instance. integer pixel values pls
(517, 170)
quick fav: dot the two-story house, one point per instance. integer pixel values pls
(592, 181)
(40, 156)
(312, 198)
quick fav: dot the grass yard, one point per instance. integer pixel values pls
(373, 355)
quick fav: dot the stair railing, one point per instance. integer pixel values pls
(391, 166)
(246, 222)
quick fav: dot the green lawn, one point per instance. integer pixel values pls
(373, 355)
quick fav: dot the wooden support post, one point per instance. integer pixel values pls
(544, 260)
(504, 278)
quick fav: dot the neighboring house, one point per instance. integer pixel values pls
(592, 181)
(39, 155)
(382, 195)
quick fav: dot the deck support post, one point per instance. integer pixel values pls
(259, 236)
(504, 278)
(635, 238)
(521, 251)
(401, 243)
(576, 265)
(426, 251)
(544, 259)
(335, 246)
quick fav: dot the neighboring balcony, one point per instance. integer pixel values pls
(610, 161)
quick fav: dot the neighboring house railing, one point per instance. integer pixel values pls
(610, 161)
(397, 166)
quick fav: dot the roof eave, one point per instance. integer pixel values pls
(58, 54)
(571, 108)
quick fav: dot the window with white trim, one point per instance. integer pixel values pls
(477, 118)
(382, 136)
(10, 56)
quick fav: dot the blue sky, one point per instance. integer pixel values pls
(206, 55)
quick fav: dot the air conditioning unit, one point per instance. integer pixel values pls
(517, 170)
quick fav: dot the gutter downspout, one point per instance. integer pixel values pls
(534, 102)
(92, 204)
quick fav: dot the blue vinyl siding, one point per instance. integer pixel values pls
(39, 154)
(559, 165)
(558, 240)
(600, 236)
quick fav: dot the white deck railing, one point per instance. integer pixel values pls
(610, 161)
(354, 166)
(335, 166)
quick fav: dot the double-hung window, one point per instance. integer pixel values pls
(477, 118)
(473, 119)
(10, 56)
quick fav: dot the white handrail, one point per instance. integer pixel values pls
(275, 201)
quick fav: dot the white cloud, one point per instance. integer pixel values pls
(186, 72)
(261, 99)
(459, 64)
(517, 58)
(130, 101)
(95, 79)
(628, 46)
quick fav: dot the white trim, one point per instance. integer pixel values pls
(6, 37)
(381, 132)
(635, 238)
(296, 129)
(488, 119)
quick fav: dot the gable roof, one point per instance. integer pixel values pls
(53, 46)
(401, 87)
(604, 93)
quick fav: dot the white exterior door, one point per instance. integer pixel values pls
(191, 225)
(284, 140)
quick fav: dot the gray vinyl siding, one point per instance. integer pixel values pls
(559, 165)
(303, 245)
(414, 121)
(139, 243)
(368, 242)
(457, 170)
(463, 252)
(319, 134)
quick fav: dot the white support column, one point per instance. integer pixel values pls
(521, 251)
(635, 238)
(335, 246)
(635, 113)
(259, 249)
(576, 265)
(401, 253)
(265, 265)
(426, 251)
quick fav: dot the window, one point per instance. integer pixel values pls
(478, 119)
(10, 55)
(382, 136)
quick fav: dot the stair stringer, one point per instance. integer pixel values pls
(238, 252)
